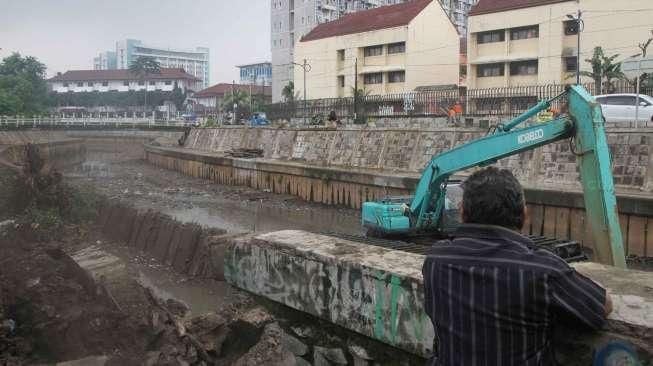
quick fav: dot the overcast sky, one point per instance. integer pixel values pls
(67, 34)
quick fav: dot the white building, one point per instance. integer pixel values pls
(105, 61)
(122, 80)
(194, 62)
(292, 19)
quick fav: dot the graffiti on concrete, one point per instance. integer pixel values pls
(346, 283)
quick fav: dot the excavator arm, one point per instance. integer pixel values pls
(585, 125)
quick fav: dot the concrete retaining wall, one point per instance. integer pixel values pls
(187, 248)
(379, 292)
(409, 150)
(57, 154)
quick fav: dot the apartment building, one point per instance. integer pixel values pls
(122, 80)
(390, 49)
(292, 19)
(528, 42)
(257, 74)
(194, 61)
(105, 61)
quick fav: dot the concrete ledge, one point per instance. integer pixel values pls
(378, 292)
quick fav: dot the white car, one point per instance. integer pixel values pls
(621, 107)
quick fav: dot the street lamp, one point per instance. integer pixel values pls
(579, 27)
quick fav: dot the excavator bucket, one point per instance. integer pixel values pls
(593, 156)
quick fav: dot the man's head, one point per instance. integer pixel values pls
(493, 196)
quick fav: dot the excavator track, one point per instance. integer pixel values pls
(569, 250)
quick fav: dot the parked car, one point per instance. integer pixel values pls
(258, 119)
(621, 107)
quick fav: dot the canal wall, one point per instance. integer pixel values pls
(556, 210)
(378, 292)
(187, 248)
(408, 150)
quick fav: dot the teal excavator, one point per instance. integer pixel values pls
(426, 211)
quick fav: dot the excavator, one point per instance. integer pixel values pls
(431, 210)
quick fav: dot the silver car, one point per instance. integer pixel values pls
(621, 107)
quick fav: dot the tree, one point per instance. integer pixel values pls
(289, 94)
(143, 67)
(238, 98)
(178, 97)
(22, 86)
(603, 68)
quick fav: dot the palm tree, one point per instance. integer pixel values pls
(142, 67)
(288, 92)
(603, 67)
(238, 98)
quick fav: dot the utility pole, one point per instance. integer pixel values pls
(355, 89)
(233, 100)
(307, 68)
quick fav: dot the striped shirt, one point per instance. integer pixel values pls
(493, 298)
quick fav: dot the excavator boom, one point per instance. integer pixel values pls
(585, 126)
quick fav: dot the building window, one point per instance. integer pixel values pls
(141, 83)
(523, 68)
(373, 51)
(105, 83)
(90, 83)
(525, 32)
(125, 83)
(399, 47)
(168, 82)
(80, 84)
(571, 64)
(491, 37)
(65, 85)
(341, 55)
(341, 81)
(396, 77)
(375, 78)
(152, 83)
(571, 27)
(489, 70)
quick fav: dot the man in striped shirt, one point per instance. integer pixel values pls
(492, 296)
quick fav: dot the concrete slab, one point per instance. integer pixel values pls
(379, 292)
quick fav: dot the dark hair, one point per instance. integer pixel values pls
(493, 196)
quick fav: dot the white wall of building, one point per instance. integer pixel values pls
(116, 85)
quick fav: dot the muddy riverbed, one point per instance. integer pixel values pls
(235, 209)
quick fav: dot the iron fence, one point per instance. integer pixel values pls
(500, 102)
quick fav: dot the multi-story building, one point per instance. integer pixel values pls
(122, 80)
(257, 74)
(195, 62)
(292, 19)
(526, 42)
(105, 61)
(458, 11)
(390, 49)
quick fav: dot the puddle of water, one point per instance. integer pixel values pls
(238, 217)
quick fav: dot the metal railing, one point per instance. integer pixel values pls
(57, 122)
(500, 102)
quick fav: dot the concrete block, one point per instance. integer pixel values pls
(379, 292)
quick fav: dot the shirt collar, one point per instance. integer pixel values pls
(481, 231)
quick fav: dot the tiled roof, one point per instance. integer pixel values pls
(368, 20)
(223, 88)
(495, 6)
(120, 74)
